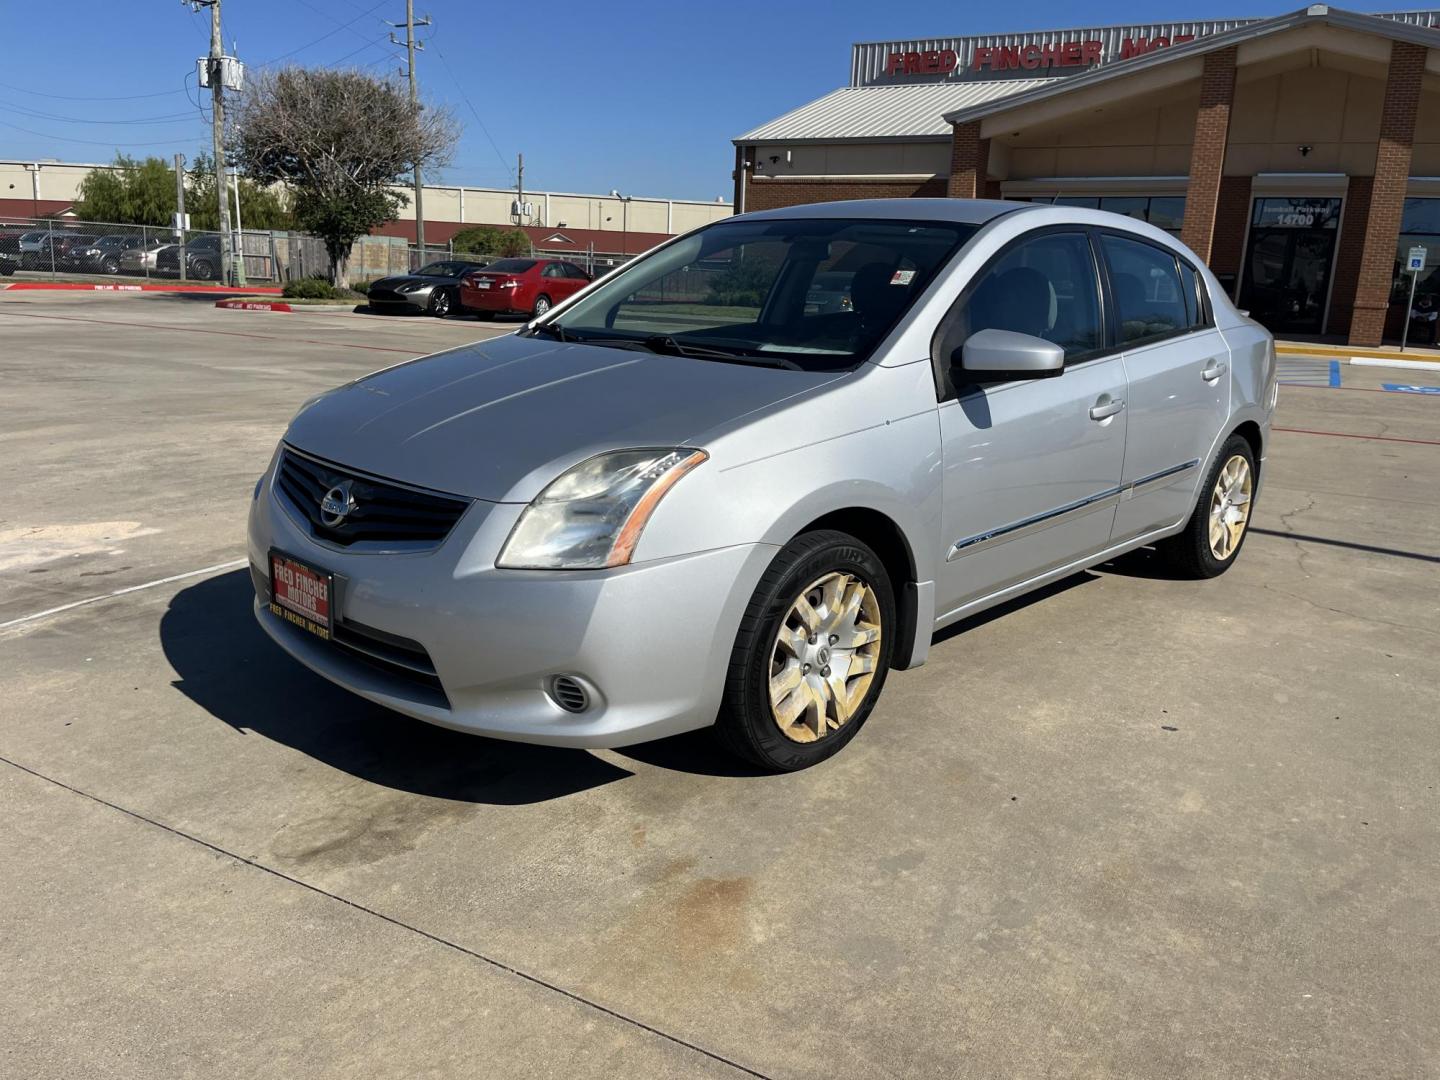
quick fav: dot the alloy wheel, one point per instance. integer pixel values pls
(1230, 507)
(542, 306)
(824, 657)
(441, 304)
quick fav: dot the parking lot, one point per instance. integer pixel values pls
(1128, 827)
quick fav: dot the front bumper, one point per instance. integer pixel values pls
(398, 301)
(650, 642)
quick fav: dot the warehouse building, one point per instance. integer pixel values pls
(555, 221)
(1298, 155)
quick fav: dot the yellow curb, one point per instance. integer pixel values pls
(1289, 348)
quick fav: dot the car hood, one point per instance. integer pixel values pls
(499, 420)
(401, 279)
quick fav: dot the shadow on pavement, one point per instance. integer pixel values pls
(228, 666)
(1009, 606)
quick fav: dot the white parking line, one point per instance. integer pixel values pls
(231, 565)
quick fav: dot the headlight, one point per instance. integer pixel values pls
(592, 516)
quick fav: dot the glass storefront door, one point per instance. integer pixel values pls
(1286, 277)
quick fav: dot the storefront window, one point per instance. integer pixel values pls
(1419, 227)
(1164, 212)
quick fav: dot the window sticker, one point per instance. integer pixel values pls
(902, 277)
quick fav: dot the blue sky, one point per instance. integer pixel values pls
(640, 95)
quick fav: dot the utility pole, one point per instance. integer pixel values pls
(519, 189)
(180, 209)
(410, 46)
(217, 130)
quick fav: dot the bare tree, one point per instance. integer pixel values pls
(341, 141)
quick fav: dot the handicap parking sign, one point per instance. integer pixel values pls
(1416, 260)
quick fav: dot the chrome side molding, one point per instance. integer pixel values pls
(1069, 512)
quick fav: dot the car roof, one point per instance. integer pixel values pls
(964, 211)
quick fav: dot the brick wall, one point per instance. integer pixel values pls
(766, 194)
(969, 160)
(1207, 153)
(1348, 252)
(1387, 193)
(1232, 215)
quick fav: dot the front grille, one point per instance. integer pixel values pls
(395, 655)
(383, 513)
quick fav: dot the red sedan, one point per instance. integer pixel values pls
(520, 287)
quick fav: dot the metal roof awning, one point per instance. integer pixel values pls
(857, 113)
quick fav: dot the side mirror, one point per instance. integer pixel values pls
(1003, 355)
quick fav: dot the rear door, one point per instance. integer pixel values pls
(1177, 366)
(1031, 467)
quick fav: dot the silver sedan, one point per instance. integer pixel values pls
(687, 497)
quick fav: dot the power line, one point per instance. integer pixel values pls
(87, 142)
(325, 37)
(475, 112)
(168, 118)
(66, 97)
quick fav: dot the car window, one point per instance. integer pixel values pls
(511, 266)
(1149, 298)
(1045, 287)
(575, 272)
(553, 270)
(1194, 305)
(758, 287)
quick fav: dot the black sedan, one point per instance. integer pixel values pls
(434, 288)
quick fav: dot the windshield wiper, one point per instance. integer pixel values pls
(664, 343)
(552, 329)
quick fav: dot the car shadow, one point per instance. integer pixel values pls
(1019, 603)
(229, 667)
(1143, 562)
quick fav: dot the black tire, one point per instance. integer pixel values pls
(110, 265)
(6, 268)
(746, 724)
(202, 270)
(1189, 552)
(542, 305)
(442, 303)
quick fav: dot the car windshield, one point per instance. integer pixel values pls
(510, 266)
(819, 294)
(444, 269)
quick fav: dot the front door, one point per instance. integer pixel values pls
(1285, 284)
(1032, 467)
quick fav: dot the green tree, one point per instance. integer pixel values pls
(131, 193)
(340, 141)
(260, 207)
(488, 240)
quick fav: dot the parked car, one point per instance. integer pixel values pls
(203, 257)
(433, 288)
(9, 263)
(646, 513)
(521, 287)
(30, 245)
(145, 260)
(67, 247)
(103, 255)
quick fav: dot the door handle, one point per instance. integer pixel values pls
(1105, 407)
(1214, 369)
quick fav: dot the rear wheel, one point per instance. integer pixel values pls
(812, 653)
(1216, 530)
(441, 301)
(542, 305)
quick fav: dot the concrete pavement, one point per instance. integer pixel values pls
(1132, 827)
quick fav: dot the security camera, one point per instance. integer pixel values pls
(1304, 150)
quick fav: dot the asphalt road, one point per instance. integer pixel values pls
(1132, 827)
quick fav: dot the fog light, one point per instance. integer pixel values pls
(570, 694)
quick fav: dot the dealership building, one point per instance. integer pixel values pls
(1299, 155)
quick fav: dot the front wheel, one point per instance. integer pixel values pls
(441, 303)
(1211, 539)
(110, 265)
(812, 653)
(202, 270)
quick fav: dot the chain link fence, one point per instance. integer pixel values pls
(56, 249)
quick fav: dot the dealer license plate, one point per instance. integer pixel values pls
(300, 594)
